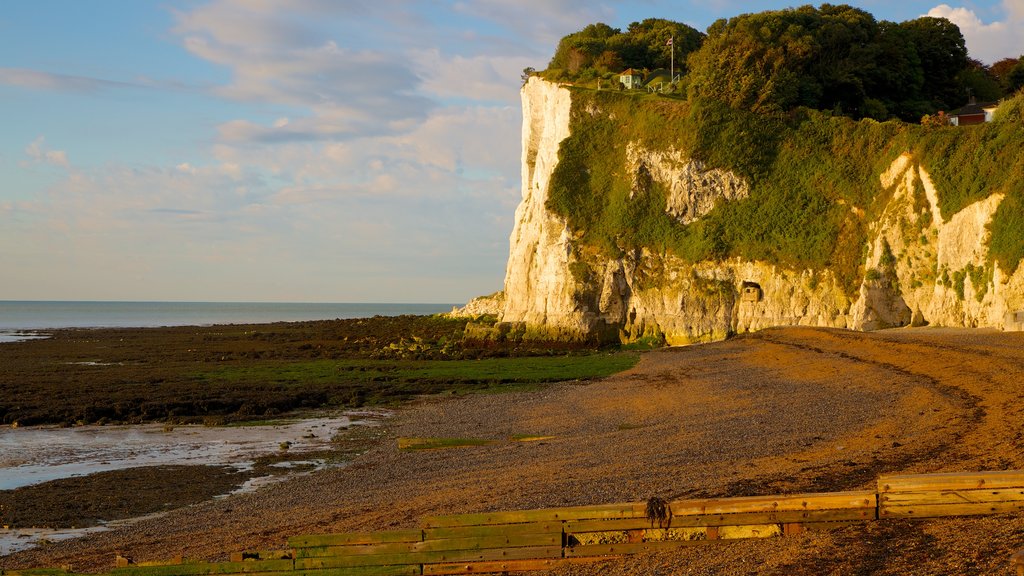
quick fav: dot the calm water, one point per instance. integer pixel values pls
(17, 317)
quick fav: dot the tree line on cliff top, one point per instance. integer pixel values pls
(834, 57)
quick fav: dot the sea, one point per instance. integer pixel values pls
(21, 320)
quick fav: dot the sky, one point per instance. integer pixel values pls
(294, 150)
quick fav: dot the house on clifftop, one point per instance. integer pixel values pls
(631, 79)
(974, 113)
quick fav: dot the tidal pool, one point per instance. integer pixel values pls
(40, 454)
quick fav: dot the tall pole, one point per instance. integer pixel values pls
(672, 70)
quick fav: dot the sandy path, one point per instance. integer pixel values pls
(778, 411)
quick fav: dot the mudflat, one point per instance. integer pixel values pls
(782, 410)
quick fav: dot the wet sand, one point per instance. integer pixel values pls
(784, 410)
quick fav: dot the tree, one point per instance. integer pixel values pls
(599, 48)
(527, 72)
(1015, 79)
(943, 54)
(1001, 70)
(753, 61)
(578, 50)
(893, 74)
(979, 82)
(652, 36)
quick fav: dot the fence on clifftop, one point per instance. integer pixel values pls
(528, 540)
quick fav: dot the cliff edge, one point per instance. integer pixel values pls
(627, 232)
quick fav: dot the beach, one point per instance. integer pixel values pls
(779, 411)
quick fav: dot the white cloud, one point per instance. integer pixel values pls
(278, 56)
(990, 41)
(541, 22)
(39, 154)
(486, 78)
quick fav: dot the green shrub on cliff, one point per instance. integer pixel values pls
(807, 173)
(813, 176)
(970, 163)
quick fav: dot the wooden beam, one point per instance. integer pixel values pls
(578, 526)
(510, 566)
(248, 567)
(951, 497)
(937, 510)
(440, 545)
(625, 510)
(628, 548)
(951, 481)
(494, 554)
(413, 570)
(554, 527)
(310, 540)
(821, 501)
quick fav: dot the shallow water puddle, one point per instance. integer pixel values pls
(40, 454)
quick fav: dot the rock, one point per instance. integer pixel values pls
(921, 267)
(491, 305)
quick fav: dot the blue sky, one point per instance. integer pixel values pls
(293, 150)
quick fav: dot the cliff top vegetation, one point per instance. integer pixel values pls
(833, 57)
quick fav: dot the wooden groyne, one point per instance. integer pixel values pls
(528, 540)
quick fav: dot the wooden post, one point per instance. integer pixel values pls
(792, 528)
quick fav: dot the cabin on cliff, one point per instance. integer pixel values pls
(631, 79)
(974, 113)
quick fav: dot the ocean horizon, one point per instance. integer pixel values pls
(19, 316)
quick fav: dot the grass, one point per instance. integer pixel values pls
(440, 443)
(530, 437)
(385, 381)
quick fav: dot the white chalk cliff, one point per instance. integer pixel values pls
(929, 271)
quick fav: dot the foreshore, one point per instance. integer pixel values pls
(784, 410)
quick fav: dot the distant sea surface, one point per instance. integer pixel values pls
(17, 317)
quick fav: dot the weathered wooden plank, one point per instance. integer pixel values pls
(825, 526)
(938, 510)
(628, 548)
(577, 526)
(248, 567)
(310, 540)
(481, 543)
(951, 481)
(260, 555)
(624, 510)
(533, 552)
(554, 527)
(821, 501)
(753, 531)
(413, 570)
(951, 497)
(509, 566)
(477, 543)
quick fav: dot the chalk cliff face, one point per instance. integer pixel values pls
(921, 266)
